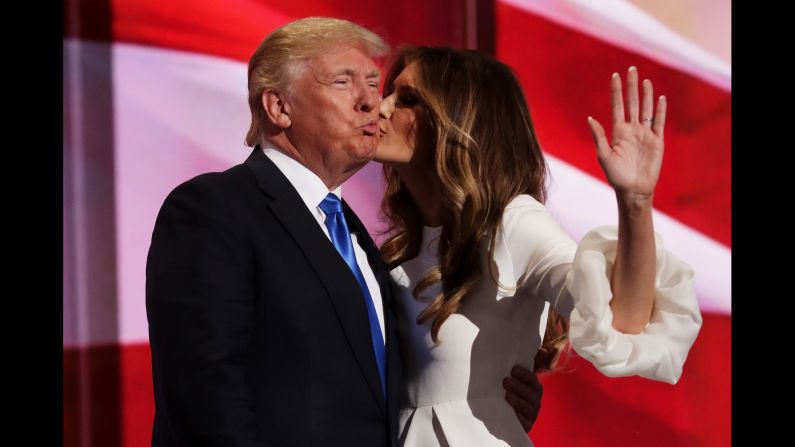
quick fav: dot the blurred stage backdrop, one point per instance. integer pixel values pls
(155, 93)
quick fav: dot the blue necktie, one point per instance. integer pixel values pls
(341, 238)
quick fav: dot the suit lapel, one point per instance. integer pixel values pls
(343, 289)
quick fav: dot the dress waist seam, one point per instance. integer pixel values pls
(470, 399)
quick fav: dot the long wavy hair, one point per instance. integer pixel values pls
(486, 153)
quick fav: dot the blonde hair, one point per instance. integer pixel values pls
(486, 153)
(278, 59)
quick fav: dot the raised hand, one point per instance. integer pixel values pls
(632, 161)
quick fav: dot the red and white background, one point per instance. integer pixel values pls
(155, 93)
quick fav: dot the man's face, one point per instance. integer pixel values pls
(334, 109)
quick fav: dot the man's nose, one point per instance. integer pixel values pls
(369, 99)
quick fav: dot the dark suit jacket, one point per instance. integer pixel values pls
(258, 329)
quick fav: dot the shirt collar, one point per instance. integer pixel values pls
(309, 186)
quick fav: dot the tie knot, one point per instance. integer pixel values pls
(331, 204)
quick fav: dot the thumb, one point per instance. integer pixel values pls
(599, 137)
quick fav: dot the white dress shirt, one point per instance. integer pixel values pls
(312, 191)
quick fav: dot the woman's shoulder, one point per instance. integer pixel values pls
(526, 221)
(524, 202)
(521, 208)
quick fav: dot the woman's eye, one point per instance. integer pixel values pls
(408, 100)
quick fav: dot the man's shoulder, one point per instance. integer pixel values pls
(214, 186)
(236, 177)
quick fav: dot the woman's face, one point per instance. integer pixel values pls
(403, 122)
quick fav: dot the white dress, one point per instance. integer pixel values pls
(453, 394)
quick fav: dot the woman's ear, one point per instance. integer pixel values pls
(276, 108)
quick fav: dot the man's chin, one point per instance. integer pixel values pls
(358, 158)
(366, 152)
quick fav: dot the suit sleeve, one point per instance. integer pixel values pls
(199, 299)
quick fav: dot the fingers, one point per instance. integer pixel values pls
(647, 112)
(524, 392)
(528, 393)
(528, 408)
(525, 385)
(524, 376)
(599, 137)
(659, 121)
(637, 111)
(526, 412)
(616, 99)
(526, 423)
(523, 399)
(632, 95)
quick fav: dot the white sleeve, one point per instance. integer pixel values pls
(541, 252)
(575, 279)
(660, 350)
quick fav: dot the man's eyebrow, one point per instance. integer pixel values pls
(351, 72)
(344, 71)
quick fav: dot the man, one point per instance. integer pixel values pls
(271, 319)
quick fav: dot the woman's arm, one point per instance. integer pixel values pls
(632, 166)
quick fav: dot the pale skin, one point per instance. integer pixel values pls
(327, 119)
(631, 163)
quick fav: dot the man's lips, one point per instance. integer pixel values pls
(370, 128)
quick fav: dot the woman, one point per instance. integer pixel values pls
(478, 260)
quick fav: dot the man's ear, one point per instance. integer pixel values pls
(276, 108)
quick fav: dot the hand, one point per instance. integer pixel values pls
(632, 162)
(524, 395)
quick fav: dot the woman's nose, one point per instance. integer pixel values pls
(386, 107)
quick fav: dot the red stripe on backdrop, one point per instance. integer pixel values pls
(234, 28)
(565, 75)
(595, 410)
(582, 406)
(101, 388)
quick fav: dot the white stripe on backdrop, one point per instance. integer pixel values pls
(626, 26)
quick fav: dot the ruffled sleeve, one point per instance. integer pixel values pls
(575, 279)
(660, 350)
